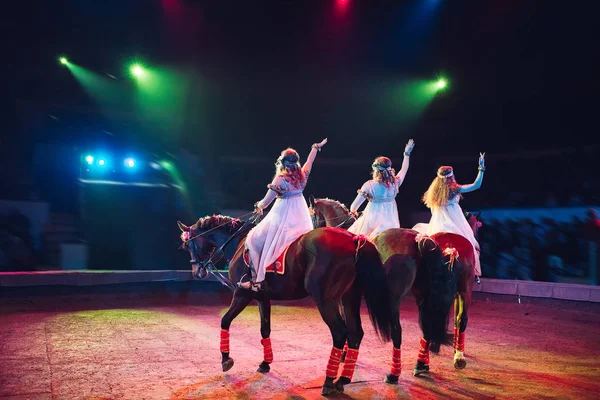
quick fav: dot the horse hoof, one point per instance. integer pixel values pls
(420, 369)
(328, 390)
(391, 379)
(460, 363)
(339, 384)
(434, 347)
(227, 365)
(263, 368)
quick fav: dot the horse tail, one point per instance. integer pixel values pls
(371, 275)
(438, 288)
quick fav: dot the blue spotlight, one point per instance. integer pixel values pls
(89, 159)
(102, 162)
(129, 162)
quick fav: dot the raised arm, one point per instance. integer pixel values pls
(405, 162)
(276, 188)
(477, 184)
(307, 167)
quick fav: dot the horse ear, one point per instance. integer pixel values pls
(311, 200)
(183, 227)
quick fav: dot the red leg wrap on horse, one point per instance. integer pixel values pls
(396, 362)
(267, 349)
(224, 341)
(350, 363)
(424, 352)
(460, 343)
(334, 363)
(455, 337)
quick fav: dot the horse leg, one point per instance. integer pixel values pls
(330, 314)
(241, 298)
(264, 306)
(460, 325)
(422, 366)
(351, 309)
(392, 377)
(345, 345)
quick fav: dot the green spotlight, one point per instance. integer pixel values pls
(63, 60)
(137, 70)
(442, 83)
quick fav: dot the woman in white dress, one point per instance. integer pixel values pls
(288, 219)
(381, 213)
(442, 199)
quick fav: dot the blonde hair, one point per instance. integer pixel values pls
(442, 189)
(288, 167)
(383, 171)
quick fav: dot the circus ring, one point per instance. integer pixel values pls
(155, 336)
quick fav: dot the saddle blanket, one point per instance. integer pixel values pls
(277, 267)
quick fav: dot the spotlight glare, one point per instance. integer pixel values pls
(101, 162)
(155, 165)
(129, 162)
(137, 70)
(63, 60)
(89, 159)
(442, 83)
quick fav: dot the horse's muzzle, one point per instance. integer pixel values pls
(200, 273)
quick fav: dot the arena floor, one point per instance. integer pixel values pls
(111, 351)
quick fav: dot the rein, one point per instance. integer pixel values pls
(218, 254)
(346, 219)
(214, 228)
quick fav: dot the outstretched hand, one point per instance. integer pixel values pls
(409, 146)
(482, 159)
(323, 142)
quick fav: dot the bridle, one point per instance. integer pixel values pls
(315, 219)
(216, 255)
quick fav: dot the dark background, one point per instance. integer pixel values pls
(274, 73)
(264, 75)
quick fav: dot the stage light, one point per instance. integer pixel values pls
(63, 60)
(137, 70)
(89, 159)
(155, 166)
(101, 162)
(441, 83)
(129, 162)
(342, 5)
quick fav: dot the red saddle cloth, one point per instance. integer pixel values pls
(278, 266)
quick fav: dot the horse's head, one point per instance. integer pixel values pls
(328, 212)
(474, 221)
(315, 213)
(204, 237)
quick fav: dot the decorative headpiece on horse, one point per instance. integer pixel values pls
(445, 172)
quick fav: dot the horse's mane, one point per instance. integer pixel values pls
(230, 225)
(334, 203)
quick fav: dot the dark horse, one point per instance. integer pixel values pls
(331, 265)
(446, 276)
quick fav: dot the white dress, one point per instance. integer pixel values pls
(381, 213)
(450, 218)
(286, 221)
